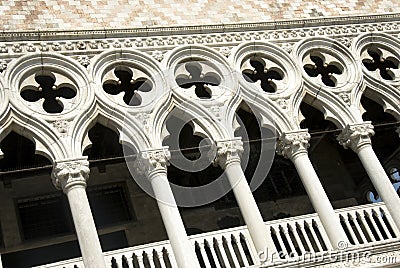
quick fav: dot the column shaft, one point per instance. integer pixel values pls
(319, 199)
(248, 207)
(293, 145)
(381, 181)
(181, 246)
(71, 177)
(85, 228)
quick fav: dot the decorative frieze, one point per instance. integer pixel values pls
(355, 136)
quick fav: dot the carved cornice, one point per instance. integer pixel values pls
(355, 136)
(228, 152)
(152, 162)
(69, 173)
(157, 39)
(293, 143)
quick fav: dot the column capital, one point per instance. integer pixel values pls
(228, 152)
(356, 135)
(293, 143)
(153, 161)
(70, 172)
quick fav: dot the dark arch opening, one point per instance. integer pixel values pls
(340, 170)
(19, 153)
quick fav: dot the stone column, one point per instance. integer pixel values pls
(153, 164)
(357, 137)
(71, 177)
(228, 157)
(293, 145)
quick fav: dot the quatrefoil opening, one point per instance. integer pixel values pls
(199, 76)
(381, 61)
(52, 89)
(318, 65)
(257, 69)
(127, 84)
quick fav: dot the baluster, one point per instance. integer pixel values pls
(203, 254)
(290, 242)
(366, 227)
(350, 229)
(220, 246)
(210, 245)
(297, 238)
(149, 253)
(241, 251)
(371, 218)
(353, 217)
(317, 242)
(232, 252)
(140, 259)
(379, 217)
(390, 221)
(305, 235)
(282, 245)
(160, 257)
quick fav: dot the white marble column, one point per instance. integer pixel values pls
(357, 137)
(228, 157)
(153, 163)
(71, 177)
(293, 145)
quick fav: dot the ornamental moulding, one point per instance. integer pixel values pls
(154, 38)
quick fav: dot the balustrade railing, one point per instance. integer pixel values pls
(232, 248)
(368, 223)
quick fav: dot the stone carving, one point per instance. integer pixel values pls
(355, 136)
(3, 48)
(282, 103)
(84, 60)
(346, 98)
(293, 143)
(44, 47)
(17, 48)
(3, 65)
(225, 51)
(70, 173)
(61, 126)
(30, 47)
(158, 55)
(152, 162)
(228, 152)
(81, 45)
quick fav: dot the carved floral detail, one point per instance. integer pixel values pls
(84, 60)
(3, 65)
(17, 48)
(154, 161)
(346, 98)
(355, 136)
(70, 173)
(3, 49)
(228, 151)
(61, 126)
(30, 47)
(225, 51)
(282, 103)
(291, 144)
(158, 55)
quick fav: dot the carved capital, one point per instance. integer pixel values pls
(293, 143)
(228, 152)
(69, 173)
(153, 161)
(355, 136)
